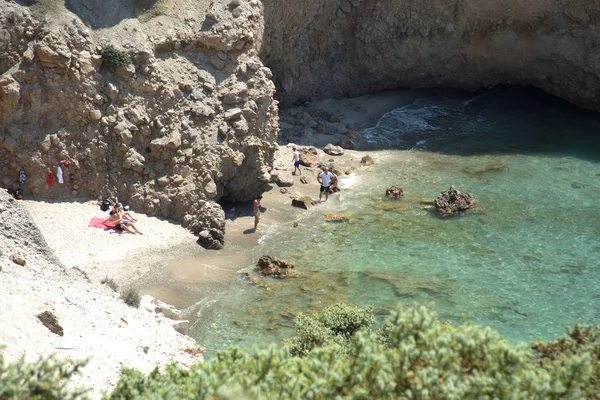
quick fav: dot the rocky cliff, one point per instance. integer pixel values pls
(187, 119)
(192, 119)
(326, 48)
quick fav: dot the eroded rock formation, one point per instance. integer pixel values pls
(190, 121)
(453, 201)
(327, 48)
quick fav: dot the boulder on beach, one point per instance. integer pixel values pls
(303, 202)
(276, 267)
(367, 160)
(285, 179)
(394, 192)
(347, 144)
(333, 150)
(309, 157)
(211, 239)
(453, 201)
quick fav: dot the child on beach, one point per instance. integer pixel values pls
(296, 160)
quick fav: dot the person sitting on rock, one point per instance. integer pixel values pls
(334, 183)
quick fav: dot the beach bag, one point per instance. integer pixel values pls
(105, 205)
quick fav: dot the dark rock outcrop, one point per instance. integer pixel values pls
(50, 321)
(394, 192)
(276, 267)
(453, 201)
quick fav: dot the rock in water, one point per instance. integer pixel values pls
(273, 266)
(367, 160)
(303, 202)
(453, 201)
(50, 321)
(394, 192)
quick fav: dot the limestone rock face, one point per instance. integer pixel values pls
(170, 133)
(330, 48)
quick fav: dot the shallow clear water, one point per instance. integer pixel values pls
(525, 262)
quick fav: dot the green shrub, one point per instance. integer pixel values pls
(332, 326)
(44, 379)
(112, 57)
(110, 283)
(413, 356)
(131, 297)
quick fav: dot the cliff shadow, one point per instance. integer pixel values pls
(503, 120)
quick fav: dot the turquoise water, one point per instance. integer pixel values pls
(526, 261)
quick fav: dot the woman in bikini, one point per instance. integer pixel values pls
(119, 218)
(257, 211)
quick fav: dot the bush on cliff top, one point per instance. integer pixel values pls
(112, 57)
(410, 356)
(43, 379)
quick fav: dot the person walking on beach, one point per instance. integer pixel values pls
(296, 160)
(324, 179)
(257, 211)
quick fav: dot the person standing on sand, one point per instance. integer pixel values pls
(257, 211)
(296, 160)
(324, 179)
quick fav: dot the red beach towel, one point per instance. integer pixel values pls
(96, 222)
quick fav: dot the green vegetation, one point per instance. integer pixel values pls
(110, 283)
(131, 297)
(344, 354)
(112, 57)
(43, 379)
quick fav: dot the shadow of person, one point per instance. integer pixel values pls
(249, 231)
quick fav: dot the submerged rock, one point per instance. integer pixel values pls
(394, 192)
(273, 266)
(453, 201)
(367, 160)
(333, 217)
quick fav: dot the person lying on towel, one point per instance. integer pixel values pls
(121, 222)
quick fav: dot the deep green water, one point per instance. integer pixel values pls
(526, 262)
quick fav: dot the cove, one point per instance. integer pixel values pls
(525, 262)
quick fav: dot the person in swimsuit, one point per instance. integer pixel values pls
(121, 220)
(257, 211)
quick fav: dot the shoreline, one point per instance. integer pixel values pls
(166, 262)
